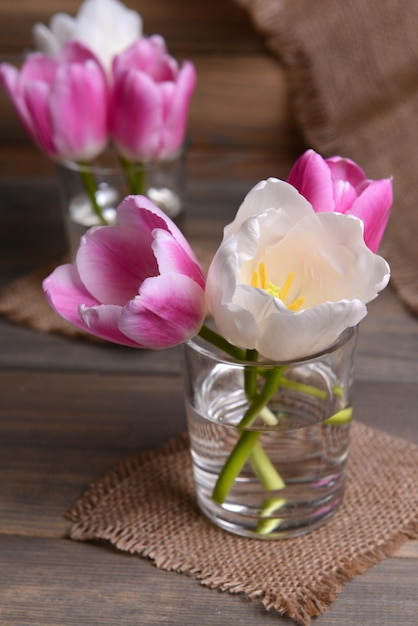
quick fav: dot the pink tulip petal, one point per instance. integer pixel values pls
(140, 213)
(102, 321)
(311, 177)
(65, 291)
(169, 310)
(150, 100)
(344, 196)
(136, 116)
(172, 257)
(9, 80)
(373, 207)
(38, 67)
(113, 262)
(345, 169)
(37, 102)
(176, 101)
(78, 106)
(147, 55)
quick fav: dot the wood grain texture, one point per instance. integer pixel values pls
(71, 409)
(186, 25)
(38, 587)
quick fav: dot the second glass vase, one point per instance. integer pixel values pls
(90, 193)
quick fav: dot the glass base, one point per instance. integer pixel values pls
(293, 518)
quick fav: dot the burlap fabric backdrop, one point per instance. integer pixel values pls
(353, 69)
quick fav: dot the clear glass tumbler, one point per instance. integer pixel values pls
(269, 465)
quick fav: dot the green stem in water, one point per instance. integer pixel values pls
(310, 390)
(341, 417)
(271, 481)
(234, 464)
(90, 187)
(248, 445)
(272, 380)
(244, 448)
(136, 177)
(264, 469)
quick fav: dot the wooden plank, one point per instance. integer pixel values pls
(45, 582)
(51, 582)
(186, 25)
(241, 100)
(59, 432)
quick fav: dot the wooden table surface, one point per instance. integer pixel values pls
(71, 409)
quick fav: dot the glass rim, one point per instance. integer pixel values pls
(198, 344)
(97, 168)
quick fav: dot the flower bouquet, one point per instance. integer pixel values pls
(109, 106)
(268, 335)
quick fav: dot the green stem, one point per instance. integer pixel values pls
(310, 390)
(217, 340)
(271, 481)
(341, 417)
(250, 375)
(265, 470)
(136, 177)
(244, 448)
(248, 445)
(90, 187)
(234, 464)
(270, 387)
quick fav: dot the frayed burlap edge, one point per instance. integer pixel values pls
(23, 302)
(313, 599)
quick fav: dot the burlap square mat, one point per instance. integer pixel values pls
(352, 68)
(146, 506)
(23, 302)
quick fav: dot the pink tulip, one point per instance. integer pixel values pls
(137, 283)
(62, 102)
(340, 185)
(150, 101)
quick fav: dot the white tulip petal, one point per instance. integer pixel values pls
(287, 281)
(270, 193)
(288, 336)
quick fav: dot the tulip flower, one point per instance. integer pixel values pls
(150, 100)
(340, 185)
(62, 102)
(105, 26)
(137, 283)
(287, 281)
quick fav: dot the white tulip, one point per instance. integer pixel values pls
(287, 281)
(105, 26)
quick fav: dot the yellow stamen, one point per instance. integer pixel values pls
(259, 279)
(296, 304)
(287, 285)
(263, 275)
(255, 279)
